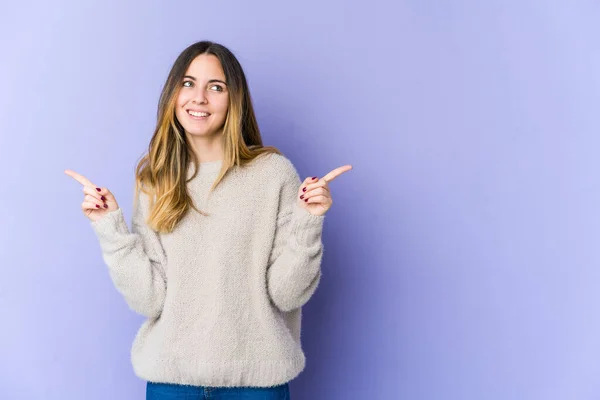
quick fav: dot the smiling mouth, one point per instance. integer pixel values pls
(198, 114)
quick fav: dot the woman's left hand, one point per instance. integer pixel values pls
(314, 195)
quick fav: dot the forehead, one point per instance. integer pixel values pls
(206, 66)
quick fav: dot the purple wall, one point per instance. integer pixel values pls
(461, 255)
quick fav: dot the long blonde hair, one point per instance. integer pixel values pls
(162, 172)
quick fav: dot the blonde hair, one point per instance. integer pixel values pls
(162, 171)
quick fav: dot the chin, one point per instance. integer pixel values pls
(203, 132)
(196, 132)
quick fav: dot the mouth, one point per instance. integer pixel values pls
(198, 115)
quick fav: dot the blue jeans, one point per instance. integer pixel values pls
(169, 391)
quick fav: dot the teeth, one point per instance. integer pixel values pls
(198, 114)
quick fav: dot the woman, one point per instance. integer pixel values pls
(225, 246)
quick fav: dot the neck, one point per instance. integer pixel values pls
(207, 148)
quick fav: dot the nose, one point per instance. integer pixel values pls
(199, 97)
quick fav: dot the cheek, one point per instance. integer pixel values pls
(182, 99)
(224, 106)
(180, 103)
(220, 103)
(179, 111)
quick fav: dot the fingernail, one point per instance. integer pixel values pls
(304, 189)
(106, 206)
(302, 196)
(314, 177)
(97, 206)
(98, 189)
(305, 199)
(103, 198)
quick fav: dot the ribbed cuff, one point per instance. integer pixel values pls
(306, 227)
(111, 223)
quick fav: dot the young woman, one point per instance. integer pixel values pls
(225, 246)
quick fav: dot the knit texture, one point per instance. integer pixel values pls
(222, 293)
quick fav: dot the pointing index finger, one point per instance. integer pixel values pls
(79, 178)
(337, 172)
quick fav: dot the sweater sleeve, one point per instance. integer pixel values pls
(136, 261)
(294, 269)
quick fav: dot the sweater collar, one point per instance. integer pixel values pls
(206, 168)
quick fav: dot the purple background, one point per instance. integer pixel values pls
(461, 255)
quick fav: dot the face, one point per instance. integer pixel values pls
(203, 99)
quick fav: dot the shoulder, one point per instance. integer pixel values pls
(277, 167)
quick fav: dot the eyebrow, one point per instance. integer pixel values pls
(211, 81)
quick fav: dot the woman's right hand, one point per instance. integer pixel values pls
(97, 201)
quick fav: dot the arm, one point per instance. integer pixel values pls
(136, 260)
(294, 269)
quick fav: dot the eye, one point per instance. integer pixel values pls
(219, 88)
(190, 83)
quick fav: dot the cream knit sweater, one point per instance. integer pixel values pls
(222, 293)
